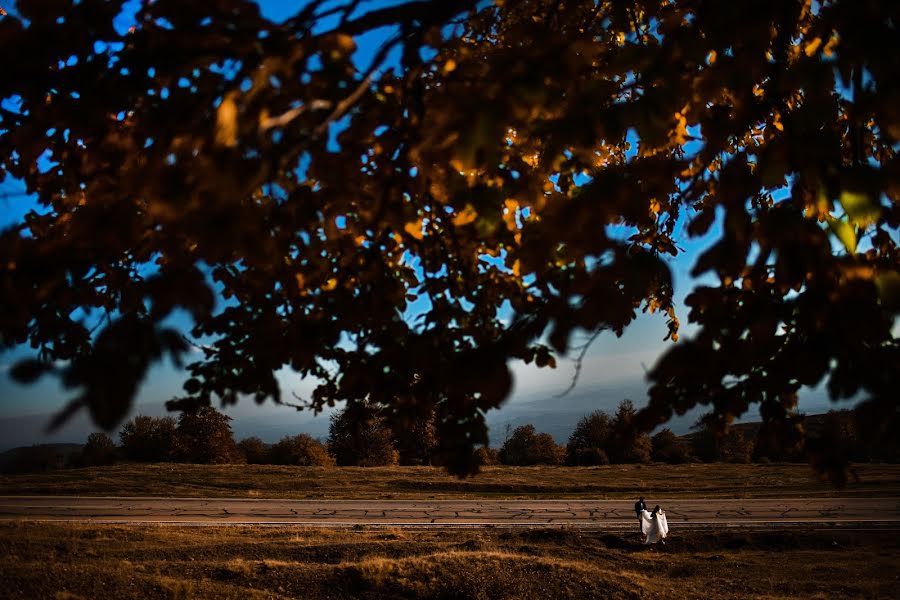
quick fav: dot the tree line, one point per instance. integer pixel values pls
(601, 439)
(205, 437)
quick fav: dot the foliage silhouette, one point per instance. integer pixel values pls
(357, 436)
(150, 439)
(518, 156)
(415, 440)
(628, 444)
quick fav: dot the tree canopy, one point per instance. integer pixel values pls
(493, 179)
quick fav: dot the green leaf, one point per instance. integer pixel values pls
(888, 285)
(844, 232)
(861, 208)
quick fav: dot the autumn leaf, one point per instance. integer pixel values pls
(414, 228)
(226, 122)
(465, 216)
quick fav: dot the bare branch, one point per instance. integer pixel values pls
(579, 363)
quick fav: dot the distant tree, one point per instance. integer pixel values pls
(858, 424)
(300, 450)
(205, 437)
(255, 451)
(589, 441)
(150, 439)
(769, 447)
(528, 447)
(357, 436)
(835, 445)
(713, 442)
(703, 443)
(98, 451)
(415, 439)
(735, 448)
(669, 448)
(487, 456)
(627, 444)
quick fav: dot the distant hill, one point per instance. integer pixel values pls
(812, 424)
(38, 457)
(558, 415)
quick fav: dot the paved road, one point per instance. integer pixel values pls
(600, 513)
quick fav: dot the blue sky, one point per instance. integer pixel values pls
(610, 360)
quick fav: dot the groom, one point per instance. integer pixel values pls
(638, 507)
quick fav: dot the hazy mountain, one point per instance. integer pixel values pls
(558, 415)
(48, 456)
(270, 423)
(544, 409)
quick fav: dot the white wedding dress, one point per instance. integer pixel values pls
(656, 527)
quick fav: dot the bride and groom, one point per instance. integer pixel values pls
(653, 524)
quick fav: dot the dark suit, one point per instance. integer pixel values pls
(638, 507)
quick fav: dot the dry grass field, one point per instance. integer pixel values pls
(89, 561)
(613, 482)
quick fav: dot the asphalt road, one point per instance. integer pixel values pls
(612, 514)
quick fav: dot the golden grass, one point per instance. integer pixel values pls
(44, 560)
(612, 482)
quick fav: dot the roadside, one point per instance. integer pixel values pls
(607, 482)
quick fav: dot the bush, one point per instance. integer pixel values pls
(148, 439)
(735, 448)
(703, 445)
(588, 457)
(780, 440)
(300, 450)
(589, 440)
(527, 447)
(255, 451)
(714, 442)
(357, 436)
(599, 440)
(627, 445)
(98, 451)
(669, 448)
(635, 449)
(415, 440)
(485, 456)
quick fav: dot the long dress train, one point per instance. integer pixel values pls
(655, 527)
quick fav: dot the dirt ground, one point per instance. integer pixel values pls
(43, 560)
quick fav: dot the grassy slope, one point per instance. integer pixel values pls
(69, 561)
(615, 481)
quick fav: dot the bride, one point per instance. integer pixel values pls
(654, 525)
